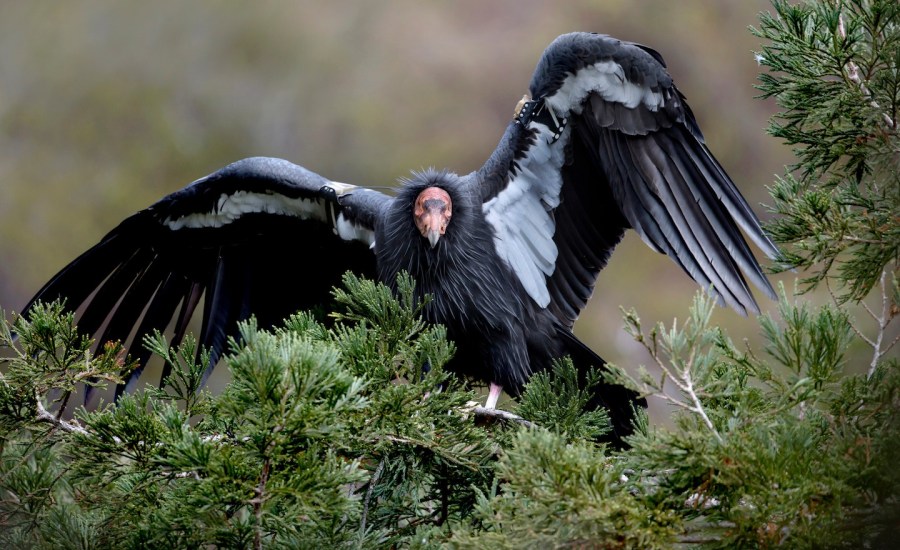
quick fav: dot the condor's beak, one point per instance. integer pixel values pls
(433, 235)
(432, 214)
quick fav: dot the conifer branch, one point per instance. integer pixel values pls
(883, 320)
(680, 371)
(499, 414)
(43, 415)
(853, 75)
(258, 502)
(686, 386)
(372, 482)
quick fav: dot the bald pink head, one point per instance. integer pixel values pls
(432, 212)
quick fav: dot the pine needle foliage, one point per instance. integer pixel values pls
(325, 436)
(834, 70)
(783, 448)
(350, 434)
(557, 400)
(314, 443)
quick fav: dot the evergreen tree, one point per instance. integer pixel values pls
(351, 434)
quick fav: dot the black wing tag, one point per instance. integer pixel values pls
(536, 110)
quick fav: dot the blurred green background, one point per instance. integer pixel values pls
(107, 106)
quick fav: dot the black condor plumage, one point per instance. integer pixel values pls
(603, 143)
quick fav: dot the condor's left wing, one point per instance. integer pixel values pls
(604, 143)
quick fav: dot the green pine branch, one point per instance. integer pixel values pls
(834, 70)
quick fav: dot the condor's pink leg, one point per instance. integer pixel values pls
(493, 396)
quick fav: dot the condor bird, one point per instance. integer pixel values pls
(604, 142)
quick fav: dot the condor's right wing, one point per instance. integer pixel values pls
(261, 237)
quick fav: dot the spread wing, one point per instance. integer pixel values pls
(261, 236)
(608, 143)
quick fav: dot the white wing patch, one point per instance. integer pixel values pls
(344, 228)
(231, 207)
(521, 213)
(606, 78)
(349, 231)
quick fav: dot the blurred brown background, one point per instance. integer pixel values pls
(107, 106)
